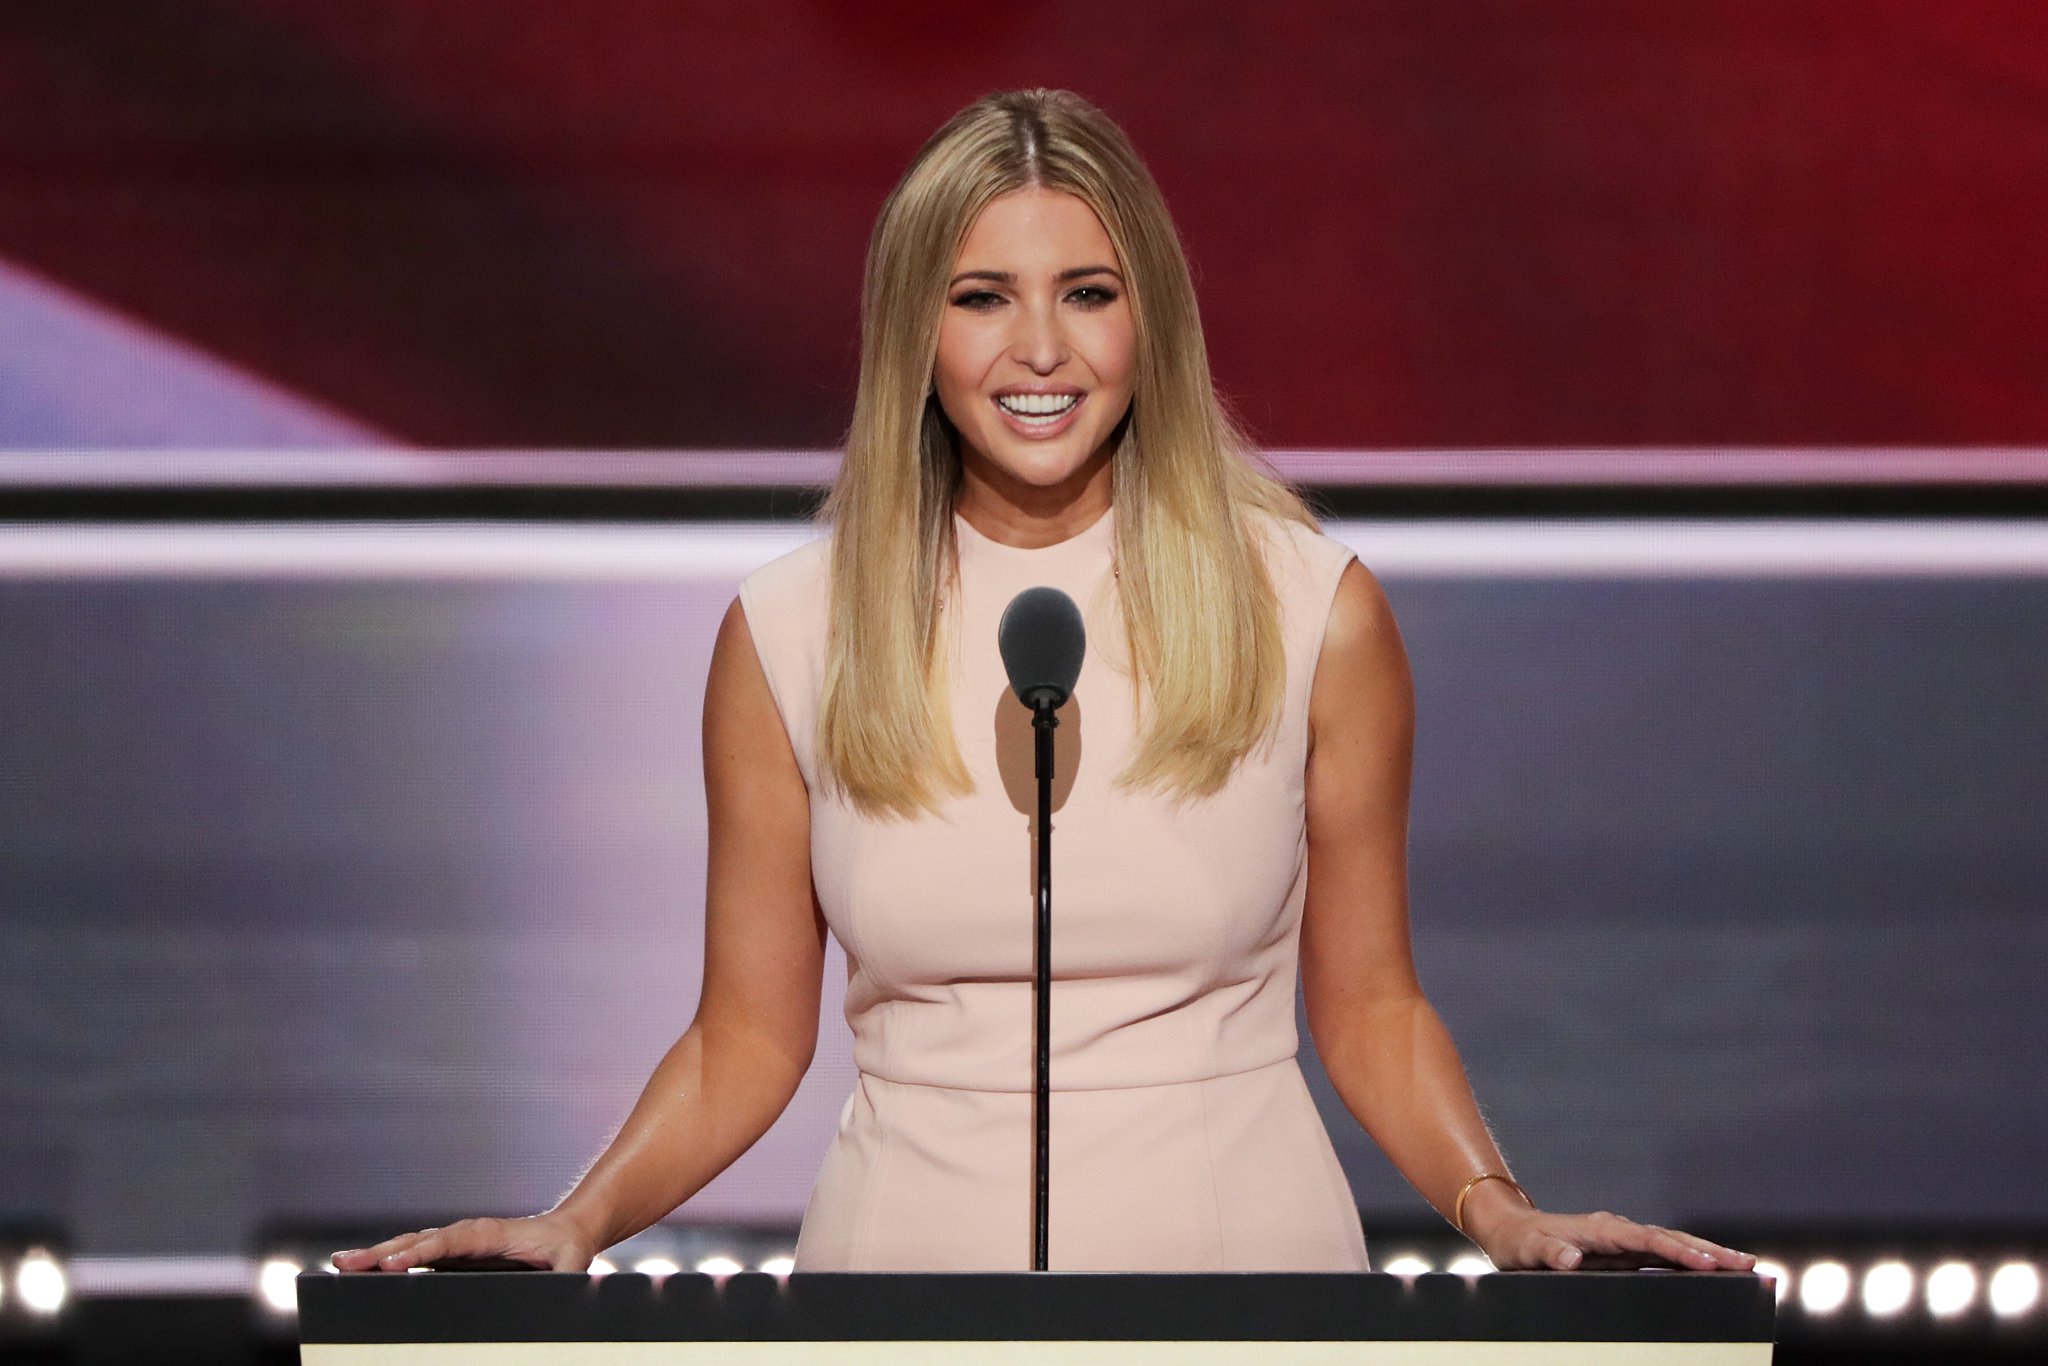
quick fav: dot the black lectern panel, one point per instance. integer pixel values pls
(1691, 1318)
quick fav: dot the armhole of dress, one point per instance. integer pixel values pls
(750, 606)
(1325, 604)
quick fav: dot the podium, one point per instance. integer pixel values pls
(1040, 1318)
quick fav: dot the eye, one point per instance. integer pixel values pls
(979, 300)
(1093, 296)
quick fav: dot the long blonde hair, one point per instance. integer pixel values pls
(1202, 624)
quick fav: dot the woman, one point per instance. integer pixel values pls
(1035, 407)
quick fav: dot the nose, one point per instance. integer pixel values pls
(1039, 343)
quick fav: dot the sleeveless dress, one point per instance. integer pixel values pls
(1183, 1135)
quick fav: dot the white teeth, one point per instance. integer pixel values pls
(1041, 406)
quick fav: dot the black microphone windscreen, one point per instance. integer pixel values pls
(1042, 641)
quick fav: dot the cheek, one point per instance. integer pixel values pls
(1113, 352)
(962, 358)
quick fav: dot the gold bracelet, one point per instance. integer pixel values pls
(1458, 1209)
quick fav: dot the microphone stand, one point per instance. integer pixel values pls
(1043, 720)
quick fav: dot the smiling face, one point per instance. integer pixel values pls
(1037, 357)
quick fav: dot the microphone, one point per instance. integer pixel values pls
(1042, 641)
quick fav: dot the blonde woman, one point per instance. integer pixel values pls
(1034, 408)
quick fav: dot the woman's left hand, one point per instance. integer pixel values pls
(1537, 1240)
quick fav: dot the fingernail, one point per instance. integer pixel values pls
(1571, 1259)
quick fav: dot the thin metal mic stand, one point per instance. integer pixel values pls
(1043, 720)
(1043, 641)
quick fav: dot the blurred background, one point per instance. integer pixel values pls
(392, 396)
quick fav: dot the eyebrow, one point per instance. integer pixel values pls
(1004, 277)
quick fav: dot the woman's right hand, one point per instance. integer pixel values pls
(549, 1242)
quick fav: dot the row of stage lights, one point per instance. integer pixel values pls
(1947, 1290)
(662, 1251)
(1824, 1287)
(277, 1279)
(1816, 1293)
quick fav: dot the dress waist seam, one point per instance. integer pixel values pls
(868, 1074)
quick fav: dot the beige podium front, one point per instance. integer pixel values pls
(1047, 1319)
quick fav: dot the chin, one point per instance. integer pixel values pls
(1035, 464)
(1040, 473)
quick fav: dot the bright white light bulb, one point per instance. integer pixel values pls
(1469, 1264)
(656, 1266)
(1407, 1264)
(602, 1266)
(40, 1282)
(779, 1266)
(1778, 1274)
(278, 1284)
(719, 1265)
(2015, 1288)
(1887, 1288)
(1824, 1287)
(1951, 1288)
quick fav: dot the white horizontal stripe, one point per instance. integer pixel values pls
(1047, 1353)
(707, 551)
(1698, 549)
(721, 552)
(1640, 467)
(418, 469)
(91, 1276)
(1653, 467)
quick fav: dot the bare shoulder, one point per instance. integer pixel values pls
(743, 732)
(734, 661)
(1363, 663)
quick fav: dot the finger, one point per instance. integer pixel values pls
(466, 1238)
(1680, 1249)
(1610, 1241)
(1558, 1255)
(369, 1258)
(1722, 1258)
(473, 1243)
(1624, 1237)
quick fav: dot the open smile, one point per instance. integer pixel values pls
(1039, 415)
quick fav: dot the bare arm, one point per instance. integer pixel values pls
(1382, 1043)
(725, 1081)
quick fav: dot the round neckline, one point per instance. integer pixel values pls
(1099, 532)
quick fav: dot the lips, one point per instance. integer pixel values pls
(1039, 415)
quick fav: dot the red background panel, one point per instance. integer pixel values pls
(638, 223)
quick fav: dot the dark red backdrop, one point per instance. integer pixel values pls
(634, 222)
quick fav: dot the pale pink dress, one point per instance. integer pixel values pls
(1183, 1135)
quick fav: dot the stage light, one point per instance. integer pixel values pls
(602, 1266)
(1469, 1264)
(40, 1282)
(719, 1265)
(1407, 1264)
(779, 1266)
(1887, 1288)
(1778, 1274)
(1823, 1287)
(277, 1284)
(656, 1266)
(2015, 1289)
(1951, 1288)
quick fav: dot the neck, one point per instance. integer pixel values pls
(1029, 516)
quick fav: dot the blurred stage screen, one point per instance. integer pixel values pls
(352, 867)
